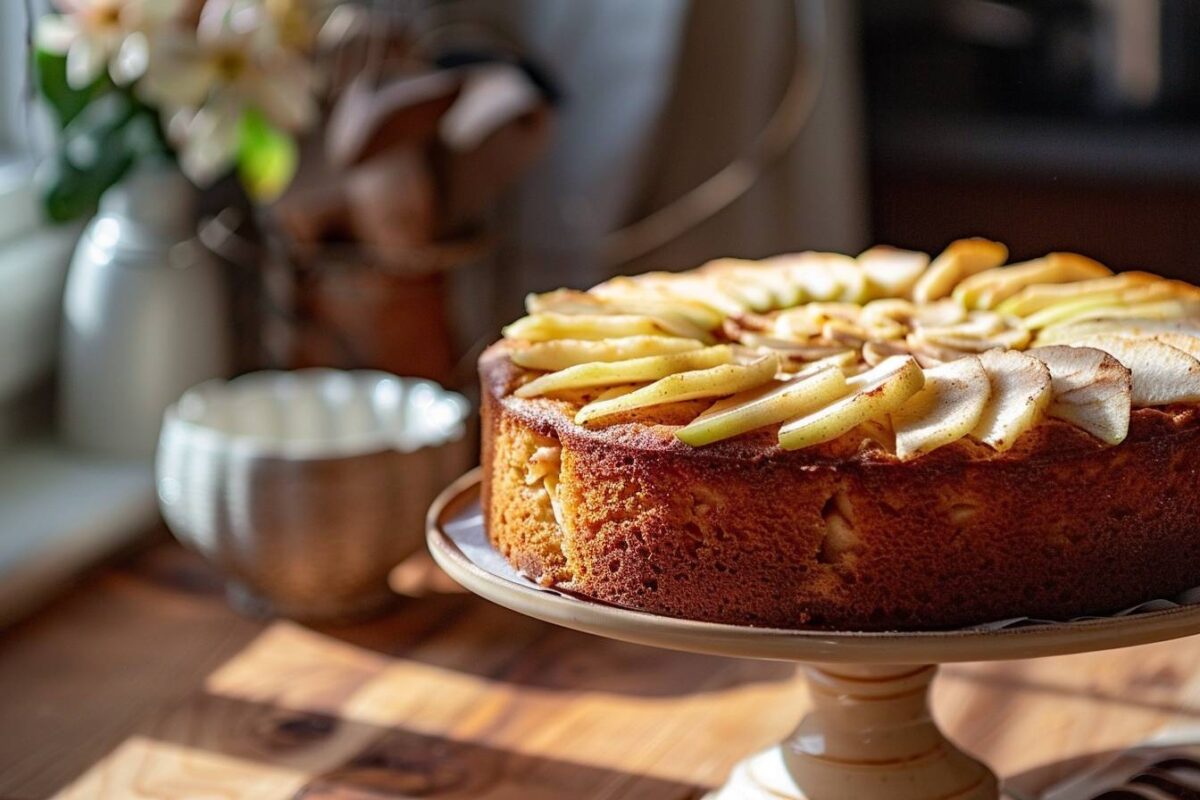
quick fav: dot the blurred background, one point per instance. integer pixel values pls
(195, 190)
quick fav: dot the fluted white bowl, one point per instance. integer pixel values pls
(306, 487)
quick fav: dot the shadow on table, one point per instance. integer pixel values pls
(1008, 681)
(215, 744)
(467, 634)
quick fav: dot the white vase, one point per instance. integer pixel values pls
(144, 315)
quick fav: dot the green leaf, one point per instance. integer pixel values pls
(66, 102)
(103, 141)
(266, 157)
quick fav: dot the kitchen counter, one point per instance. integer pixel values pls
(142, 683)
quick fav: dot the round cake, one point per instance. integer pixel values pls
(863, 443)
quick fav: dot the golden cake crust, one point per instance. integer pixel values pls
(841, 535)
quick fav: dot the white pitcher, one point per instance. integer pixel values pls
(144, 315)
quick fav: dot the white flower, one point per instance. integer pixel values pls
(91, 32)
(203, 85)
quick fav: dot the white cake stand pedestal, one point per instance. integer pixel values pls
(868, 734)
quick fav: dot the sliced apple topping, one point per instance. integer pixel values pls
(1162, 374)
(691, 287)
(1012, 339)
(1092, 390)
(826, 344)
(960, 260)
(1077, 331)
(1067, 312)
(847, 361)
(873, 394)
(975, 325)
(891, 272)
(636, 370)
(763, 286)
(875, 352)
(1021, 391)
(562, 353)
(946, 409)
(927, 354)
(939, 313)
(824, 277)
(808, 321)
(626, 293)
(670, 318)
(753, 295)
(888, 310)
(550, 325)
(855, 288)
(717, 381)
(849, 334)
(976, 332)
(1043, 295)
(765, 405)
(990, 288)
(1187, 342)
(788, 348)
(1160, 310)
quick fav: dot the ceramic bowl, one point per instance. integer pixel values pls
(306, 487)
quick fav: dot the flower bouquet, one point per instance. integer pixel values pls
(372, 140)
(214, 84)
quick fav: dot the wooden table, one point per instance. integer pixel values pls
(141, 683)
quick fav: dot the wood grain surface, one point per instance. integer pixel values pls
(141, 683)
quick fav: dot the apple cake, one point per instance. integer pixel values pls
(863, 443)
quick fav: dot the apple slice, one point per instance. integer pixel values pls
(764, 405)
(808, 272)
(845, 360)
(887, 310)
(764, 287)
(1043, 295)
(1187, 342)
(624, 292)
(699, 287)
(554, 325)
(562, 353)
(891, 272)
(855, 288)
(825, 277)
(1021, 391)
(845, 333)
(1092, 390)
(804, 352)
(696, 384)
(1162, 374)
(875, 352)
(946, 409)
(1161, 299)
(976, 324)
(873, 394)
(694, 288)
(636, 370)
(1076, 331)
(1156, 309)
(568, 301)
(807, 321)
(958, 261)
(991, 287)
(1069, 311)
(785, 292)
(1011, 339)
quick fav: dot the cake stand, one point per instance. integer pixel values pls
(868, 734)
